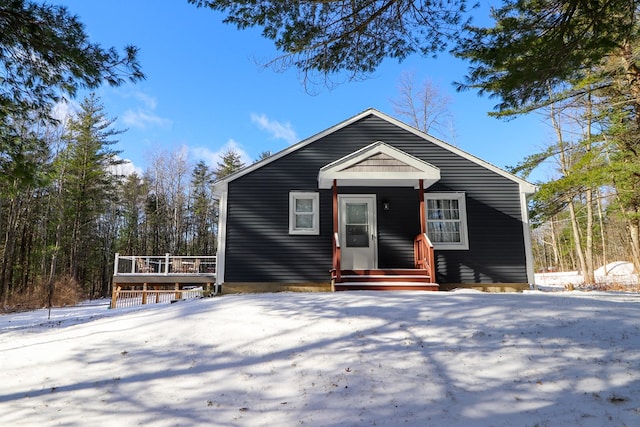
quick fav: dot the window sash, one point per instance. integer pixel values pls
(446, 220)
(304, 213)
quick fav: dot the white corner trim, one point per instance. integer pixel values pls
(526, 231)
(222, 239)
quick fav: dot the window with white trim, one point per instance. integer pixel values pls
(304, 213)
(447, 220)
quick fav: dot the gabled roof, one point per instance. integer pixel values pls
(221, 185)
(380, 165)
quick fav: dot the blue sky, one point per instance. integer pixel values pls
(206, 92)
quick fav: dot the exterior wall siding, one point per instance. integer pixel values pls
(260, 249)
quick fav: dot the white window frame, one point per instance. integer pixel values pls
(462, 206)
(315, 198)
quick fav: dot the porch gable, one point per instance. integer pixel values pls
(379, 165)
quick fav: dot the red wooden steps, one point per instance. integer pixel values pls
(386, 279)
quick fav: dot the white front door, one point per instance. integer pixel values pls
(357, 218)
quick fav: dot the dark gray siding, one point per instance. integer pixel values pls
(260, 249)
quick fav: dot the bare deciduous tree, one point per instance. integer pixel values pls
(424, 106)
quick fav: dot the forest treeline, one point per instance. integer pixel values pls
(63, 221)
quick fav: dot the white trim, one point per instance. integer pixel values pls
(526, 230)
(222, 184)
(464, 228)
(525, 186)
(315, 198)
(338, 170)
(222, 239)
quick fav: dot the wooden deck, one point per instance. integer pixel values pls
(160, 279)
(143, 279)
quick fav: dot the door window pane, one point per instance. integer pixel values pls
(357, 236)
(357, 213)
(357, 225)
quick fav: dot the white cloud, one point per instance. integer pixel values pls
(276, 129)
(127, 168)
(142, 118)
(64, 109)
(143, 115)
(148, 100)
(212, 158)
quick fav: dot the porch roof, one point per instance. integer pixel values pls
(378, 165)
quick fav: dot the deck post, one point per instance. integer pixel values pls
(166, 263)
(114, 296)
(144, 293)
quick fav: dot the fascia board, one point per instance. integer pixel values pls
(222, 184)
(525, 186)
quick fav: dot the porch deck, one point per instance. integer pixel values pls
(421, 277)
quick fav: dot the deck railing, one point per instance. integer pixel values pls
(133, 297)
(337, 255)
(164, 264)
(423, 255)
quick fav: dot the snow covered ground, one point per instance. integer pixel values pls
(329, 359)
(616, 273)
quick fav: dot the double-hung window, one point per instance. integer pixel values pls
(447, 220)
(304, 213)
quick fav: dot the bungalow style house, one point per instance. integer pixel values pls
(372, 203)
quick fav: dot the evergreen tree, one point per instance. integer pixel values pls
(88, 184)
(46, 55)
(353, 36)
(133, 191)
(263, 155)
(542, 52)
(536, 49)
(230, 162)
(202, 214)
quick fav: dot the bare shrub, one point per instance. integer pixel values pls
(66, 291)
(617, 286)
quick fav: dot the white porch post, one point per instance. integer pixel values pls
(222, 239)
(526, 231)
(115, 264)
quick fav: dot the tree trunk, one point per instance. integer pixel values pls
(634, 232)
(603, 241)
(576, 237)
(558, 261)
(8, 251)
(589, 276)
